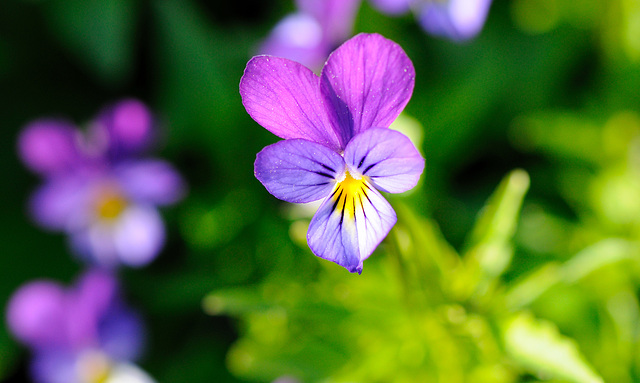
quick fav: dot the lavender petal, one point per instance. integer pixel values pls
(298, 171)
(150, 181)
(138, 235)
(387, 158)
(349, 226)
(456, 19)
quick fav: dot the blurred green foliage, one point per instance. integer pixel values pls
(491, 274)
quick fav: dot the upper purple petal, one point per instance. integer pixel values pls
(298, 171)
(455, 19)
(150, 181)
(90, 299)
(284, 97)
(128, 127)
(49, 146)
(387, 157)
(336, 17)
(366, 83)
(36, 314)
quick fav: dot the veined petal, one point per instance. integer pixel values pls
(366, 83)
(298, 171)
(350, 224)
(284, 97)
(386, 157)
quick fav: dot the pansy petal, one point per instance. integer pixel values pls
(138, 235)
(392, 7)
(128, 127)
(49, 146)
(55, 366)
(90, 299)
(128, 373)
(335, 17)
(58, 203)
(121, 334)
(150, 181)
(36, 314)
(297, 37)
(386, 157)
(350, 224)
(298, 170)
(455, 19)
(284, 97)
(366, 83)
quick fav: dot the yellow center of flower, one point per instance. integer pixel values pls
(110, 204)
(93, 367)
(349, 194)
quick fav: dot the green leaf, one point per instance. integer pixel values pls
(490, 241)
(602, 254)
(539, 347)
(99, 33)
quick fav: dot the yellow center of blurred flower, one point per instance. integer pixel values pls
(350, 193)
(110, 205)
(93, 367)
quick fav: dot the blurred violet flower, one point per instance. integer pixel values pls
(97, 188)
(83, 334)
(337, 145)
(310, 34)
(458, 20)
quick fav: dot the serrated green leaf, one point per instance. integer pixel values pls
(538, 346)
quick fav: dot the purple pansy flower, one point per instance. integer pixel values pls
(82, 334)
(310, 34)
(97, 188)
(337, 143)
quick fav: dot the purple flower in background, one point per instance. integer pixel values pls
(310, 34)
(337, 143)
(82, 334)
(96, 187)
(455, 19)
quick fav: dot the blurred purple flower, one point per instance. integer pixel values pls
(337, 145)
(97, 188)
(455, 19)
(310, 34)
(77, 335)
